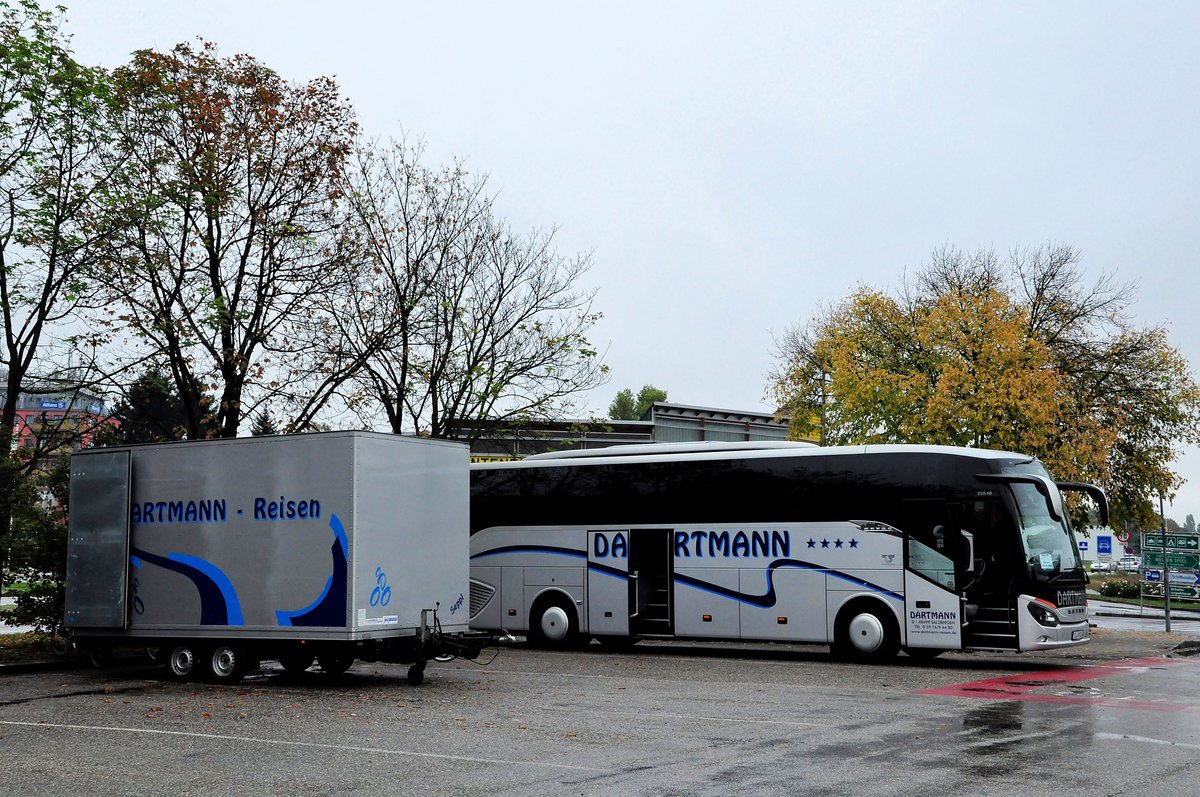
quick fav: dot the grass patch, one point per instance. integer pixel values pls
(24, 647)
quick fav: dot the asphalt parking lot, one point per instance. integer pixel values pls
(663, 719)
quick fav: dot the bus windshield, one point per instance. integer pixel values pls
(1049, 544)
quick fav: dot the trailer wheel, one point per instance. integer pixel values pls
(416, 674)
(866, 631)
(100, 657)
(553, 623)
(335, 663)
(181, 663)
(228, 664)
(296, 662)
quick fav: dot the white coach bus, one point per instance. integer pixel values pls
(866, 548)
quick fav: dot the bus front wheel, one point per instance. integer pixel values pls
(866, 631)
(553, 624)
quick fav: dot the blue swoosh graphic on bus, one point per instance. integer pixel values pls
(608, 570)
(769, 599)
(219, 603)
(550, 549)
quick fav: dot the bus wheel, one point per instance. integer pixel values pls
(866, 631)
(553, 624)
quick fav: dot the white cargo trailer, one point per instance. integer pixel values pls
(329, 547)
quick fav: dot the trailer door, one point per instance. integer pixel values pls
(98, 541)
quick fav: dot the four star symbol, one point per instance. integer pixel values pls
(838, 543)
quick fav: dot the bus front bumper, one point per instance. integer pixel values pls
(1033, 635)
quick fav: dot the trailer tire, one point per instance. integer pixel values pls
(100, 656)
(181, 662)
(228, 664)
(416, 674)
(335, 663)
(553, 623)
(296, 662)
(866, 631)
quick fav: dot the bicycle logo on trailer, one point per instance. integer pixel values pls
(382, 594)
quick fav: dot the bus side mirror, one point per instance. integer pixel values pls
(970, 538)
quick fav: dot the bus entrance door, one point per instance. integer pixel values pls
(650, 582)
(933, 605)
(608, 584)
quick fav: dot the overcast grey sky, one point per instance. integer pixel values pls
(734, 166)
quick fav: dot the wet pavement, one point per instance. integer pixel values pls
(663, 718)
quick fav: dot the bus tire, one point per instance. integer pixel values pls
(553, 623)
(866, 631)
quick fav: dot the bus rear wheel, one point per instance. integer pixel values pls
(866, 631)
(552, 623)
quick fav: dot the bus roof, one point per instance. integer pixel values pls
(660, 449)
(690, 452)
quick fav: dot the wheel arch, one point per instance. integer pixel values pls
(556, 595)
(894, 608)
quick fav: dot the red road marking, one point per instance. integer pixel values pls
(1021, 686)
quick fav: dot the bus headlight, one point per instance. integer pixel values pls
(1043, 615)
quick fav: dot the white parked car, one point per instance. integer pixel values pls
(1104, 566)
(1129, 564)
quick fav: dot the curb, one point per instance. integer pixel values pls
(1191, 616)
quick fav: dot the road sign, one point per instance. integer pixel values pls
(1184, 577)
(1103, 544)
(1122, 536)
(1177, 591)
(1083, 545)
(1177, 542)
(1176, 561)
(1152, 575)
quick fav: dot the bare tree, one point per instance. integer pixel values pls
(510, 336)
(466, 319)
(231, 179)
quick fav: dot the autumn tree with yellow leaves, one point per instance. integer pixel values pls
(1020, 355)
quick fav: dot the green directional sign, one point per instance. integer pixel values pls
(1178, 542)
(1181, 591)
(1175, 561)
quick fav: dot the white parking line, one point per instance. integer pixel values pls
(1124, 737)
(702, 718)
(287, 743)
